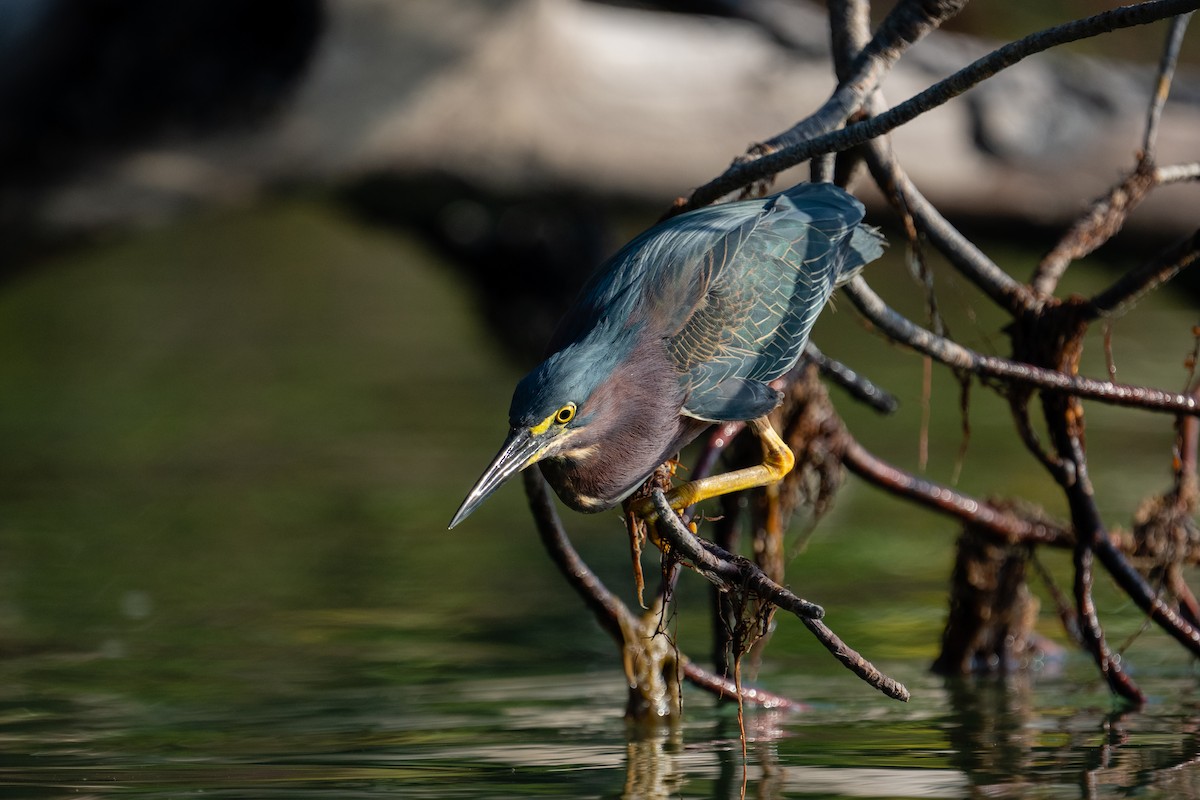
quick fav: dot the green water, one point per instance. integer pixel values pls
(228, 452)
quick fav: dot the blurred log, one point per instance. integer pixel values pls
(523, 96)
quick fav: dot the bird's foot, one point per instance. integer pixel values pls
(778, 461)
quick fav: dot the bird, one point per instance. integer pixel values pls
(684, 327)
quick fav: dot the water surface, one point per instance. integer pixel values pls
(230, 448)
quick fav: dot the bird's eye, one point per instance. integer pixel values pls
(565, 414)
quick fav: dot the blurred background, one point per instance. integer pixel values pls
(268, 273)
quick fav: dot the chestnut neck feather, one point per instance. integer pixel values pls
(633, 425)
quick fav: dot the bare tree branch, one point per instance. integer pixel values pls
(908, 22)
(962, 253)
(1132, 285)
(1177, 173)
(1004, 525)
(1092, 634)
(900, 329)
(744, 173)
(1105, 217)
(860, 387)
(1162, 86)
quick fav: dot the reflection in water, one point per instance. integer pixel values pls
(651, 764)
(659, 764)
(1014, 743)
(350, 721)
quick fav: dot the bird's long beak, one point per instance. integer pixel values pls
(519, 450)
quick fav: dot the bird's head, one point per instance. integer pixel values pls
(554, 412)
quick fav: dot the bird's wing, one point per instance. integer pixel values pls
(754, 294)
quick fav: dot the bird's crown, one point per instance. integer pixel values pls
(568, 376)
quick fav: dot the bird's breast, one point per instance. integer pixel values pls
(580, 485)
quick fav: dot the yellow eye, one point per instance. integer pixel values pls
(565, 414)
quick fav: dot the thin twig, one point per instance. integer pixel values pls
(860, 387)
(1103, 219)
(1162, 85)
(852, 660)
(908, 22)
(1177, 173)
(726, 687)
(744, 173)
(1092, 634)
(1066, 612)
(720, 438)
(1019, 405)
(1133, 284)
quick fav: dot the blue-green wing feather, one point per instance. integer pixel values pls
(733, 291)
(767, 280)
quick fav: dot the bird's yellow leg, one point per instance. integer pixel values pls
(778, 461)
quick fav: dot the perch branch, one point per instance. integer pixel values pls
(725, 569)
(741, 575)
(608, 610)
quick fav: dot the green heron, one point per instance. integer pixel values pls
(684, 327)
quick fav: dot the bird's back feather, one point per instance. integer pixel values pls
(733, 290)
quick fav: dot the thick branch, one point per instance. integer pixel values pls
(900, 329)
(1005, 525)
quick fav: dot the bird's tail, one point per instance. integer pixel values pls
(866, 245)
